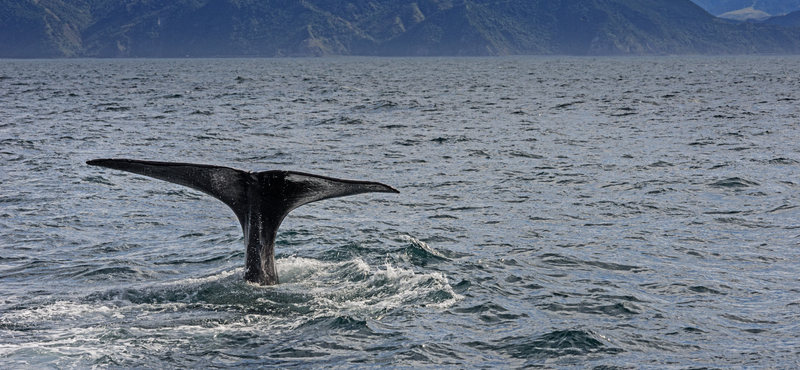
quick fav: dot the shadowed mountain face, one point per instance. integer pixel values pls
(789, 20)
(44, 28)
(561, 27)
(209, 28)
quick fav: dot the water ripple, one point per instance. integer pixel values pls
(555, 212)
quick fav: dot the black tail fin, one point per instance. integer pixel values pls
(260, 200)
(224, 183)
(283, 190)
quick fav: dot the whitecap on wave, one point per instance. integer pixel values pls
(357, 287)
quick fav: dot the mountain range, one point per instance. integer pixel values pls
(769, 7)
(281, 28)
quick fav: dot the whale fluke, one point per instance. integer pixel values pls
(260, 200)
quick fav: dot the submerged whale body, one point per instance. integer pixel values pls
(260, 200)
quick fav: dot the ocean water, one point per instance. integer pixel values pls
(555, 212)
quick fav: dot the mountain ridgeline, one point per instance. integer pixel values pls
(771, 7)
(287, 28)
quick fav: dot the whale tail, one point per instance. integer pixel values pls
(282, 190)
(260, 200)
(224, 183)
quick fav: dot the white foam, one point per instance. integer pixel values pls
(216, 277)
(89, 331)
(422, 245)
(59, 310)
(358, 287)
(298, 269)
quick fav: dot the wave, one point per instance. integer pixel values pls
(555, 344)
(314, 295)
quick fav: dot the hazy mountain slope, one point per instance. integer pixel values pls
(589, 27)
(212, 28)
(169, 28)
(43, 28)
(772, 7)
(788, 20)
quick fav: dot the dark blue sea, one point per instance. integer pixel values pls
(555, 212)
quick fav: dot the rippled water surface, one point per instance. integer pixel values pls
(610, 213)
